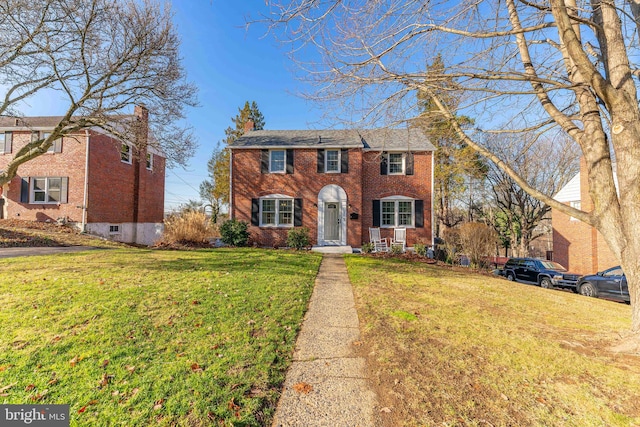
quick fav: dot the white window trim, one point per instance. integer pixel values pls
(284, 166)
(404, 164)
(129, 161)
(277, 198)
(397, 199)
(149, 161)
(577, 205)
(32, 193)
(326, 161)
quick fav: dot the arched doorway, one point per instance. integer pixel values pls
(332, 216)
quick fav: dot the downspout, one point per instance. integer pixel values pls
(86, 184)
(230, 183)
(433, 234)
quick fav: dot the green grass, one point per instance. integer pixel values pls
(453, 348)
(141, 337)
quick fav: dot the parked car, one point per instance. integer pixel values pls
(611, 283)
(546, 274)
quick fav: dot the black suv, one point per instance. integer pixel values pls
(546, 274)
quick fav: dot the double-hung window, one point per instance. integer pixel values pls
(332, 161)
(396, 164)
(276, 212)
(277, 161)
(125, 153)
(149, 161)
(6, 140)
(46, 190)
(397, 213)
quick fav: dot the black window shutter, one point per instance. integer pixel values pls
(264, 161)
(290, 160)
(320, 161)
(383, 163)
(344, 161)
(255, 211)
(376, 213)
(418, 205)
(64, 190)
(24, 191)
(297, 212)
(409, 164)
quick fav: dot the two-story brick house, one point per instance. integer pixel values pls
(337, 183)
(576, 245)
(89, 178)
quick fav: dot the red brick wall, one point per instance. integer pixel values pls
(306, 183)
(416, 186)
(69, 163)
(110, 185)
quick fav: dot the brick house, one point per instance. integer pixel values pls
(576, 245)
(89, 178)
(337, 183)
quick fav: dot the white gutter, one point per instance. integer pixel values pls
(86, 184)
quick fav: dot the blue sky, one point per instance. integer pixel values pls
(231, 65)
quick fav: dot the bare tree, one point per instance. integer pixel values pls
(478, 241)
(524, 66)
(512, 211)
(101, 57)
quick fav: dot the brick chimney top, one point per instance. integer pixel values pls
(141, 112)
(249, 126)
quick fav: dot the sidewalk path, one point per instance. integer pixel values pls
(41, 250)
(326, 385)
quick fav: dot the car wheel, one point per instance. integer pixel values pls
(588, 290)
(545, 282)
(510, 277)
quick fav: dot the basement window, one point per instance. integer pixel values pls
(114, 229)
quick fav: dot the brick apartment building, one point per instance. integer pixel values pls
(89, 178)
(576, 245)
(337, 183)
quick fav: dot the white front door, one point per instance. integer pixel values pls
(332, 223)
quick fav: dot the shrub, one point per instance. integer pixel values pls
(187, 226)
(451, 243)
(420, 249)
(396, 249)
(478, 241)
(234, 232)
(298, 238)
(367, 248)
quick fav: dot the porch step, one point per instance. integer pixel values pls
(333, 249)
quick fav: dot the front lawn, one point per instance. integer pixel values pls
(142, 337)
(452, 348)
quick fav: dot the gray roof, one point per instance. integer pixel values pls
(373, 139)
(41, 122)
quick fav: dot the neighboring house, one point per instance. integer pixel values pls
(89, 178)
(576, 245)
(337, 183)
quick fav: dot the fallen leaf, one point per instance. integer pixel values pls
(3, 368)
(196, 368)
(29, 387)
(105, 363)
(158, 404)
(385, 410)
(52, 381)
(135, 391)
(74, 361)
(57, 338)
(40, 396)
(130, 368)
(81, 410)
(105, 380)
(232, 404)
(302, 388)
(92, 402)
(195, 302)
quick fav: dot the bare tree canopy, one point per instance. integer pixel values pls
(563, 66)
(101, 57)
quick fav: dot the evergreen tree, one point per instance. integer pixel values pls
(215, 190)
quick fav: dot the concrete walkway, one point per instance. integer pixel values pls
(326, 385)
(41, 250)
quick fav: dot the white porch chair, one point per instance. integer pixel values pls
(399, 238)
(379, 244)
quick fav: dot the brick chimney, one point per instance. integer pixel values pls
(249, 126)
(141, 112)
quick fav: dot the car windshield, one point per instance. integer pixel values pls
(552, 265)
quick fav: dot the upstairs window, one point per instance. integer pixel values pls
(396, 164)
(6, 140)
(277, 161)
(125, 153)
(149, 161)
(332, 161)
